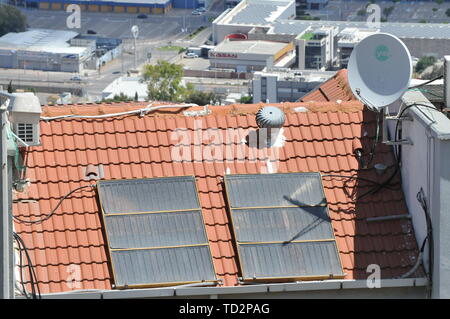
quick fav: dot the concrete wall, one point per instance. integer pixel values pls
(425, 165)
(422, 47)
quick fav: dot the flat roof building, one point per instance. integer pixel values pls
(245, 56)
(56, 50)
(274, 85)
(276, 19)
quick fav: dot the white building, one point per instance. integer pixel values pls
(55, 50)
(247, 56)
(285, 85)
(348, 39)
(127, 86)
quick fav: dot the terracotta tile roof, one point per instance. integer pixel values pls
(138, 147)
(335, 88)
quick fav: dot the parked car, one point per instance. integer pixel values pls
(201, 9)
(196, 13)
(191, 55)
(91, 32)
(142, 16)
(76, 78)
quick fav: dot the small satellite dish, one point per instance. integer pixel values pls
(379, 70)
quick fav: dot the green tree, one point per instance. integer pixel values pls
(201, 98)
(447, 12)
(11, 20)
(387, 11)
(424, 62)
(439, 1)
(246, 99)
(164, 81)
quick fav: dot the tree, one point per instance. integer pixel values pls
(424, 62)
(447, 12)
(201, 98)
(164, 81)
(246, 99)
(11, 20)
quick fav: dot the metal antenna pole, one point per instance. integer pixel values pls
(5, 221)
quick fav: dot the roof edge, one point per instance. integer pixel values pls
(257, 288)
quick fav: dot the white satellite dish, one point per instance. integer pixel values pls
(379, 70)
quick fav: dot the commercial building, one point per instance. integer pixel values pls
(54, 50)
(274, 19)
(316, 49)
(118, 6)
(249, 14)
(348, 39)
(247, 56)
(285, 85)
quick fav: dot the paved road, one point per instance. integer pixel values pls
(154, 32)
(118, 25)
(404, 11)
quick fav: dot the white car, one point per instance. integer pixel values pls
(201, 9)
(191, 55)
(196, 13)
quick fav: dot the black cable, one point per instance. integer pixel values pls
(375, 141)
(353, 177)
(427, 82)
(421, 199)
(398, 155)
(54, 210)
(33, 278)
(24, 290)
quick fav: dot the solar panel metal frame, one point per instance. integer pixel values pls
(110, 250)
(275, 278)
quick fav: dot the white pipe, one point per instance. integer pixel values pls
(142, 111)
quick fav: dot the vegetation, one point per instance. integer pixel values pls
(118, 98)
(246, 99)
(194, 34)
(424, 62)
(164, 81)
(201, 98)
(423, 21)
(361, 12)
(447, 12)
(388, 10)
(305, 17)
(170, 48)
(439, 1)
(11, 20)
(435, 9)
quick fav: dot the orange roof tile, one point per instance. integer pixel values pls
(335, 88)
(140, 147)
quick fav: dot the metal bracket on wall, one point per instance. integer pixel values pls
(388, 117)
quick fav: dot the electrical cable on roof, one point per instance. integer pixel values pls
(397, 153)
(421, 199)
(427, 82)
(141, 112)
(32, 273)
(54, 210)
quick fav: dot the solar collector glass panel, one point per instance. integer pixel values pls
(155, 229)
(162, 265)
(296, 259)
(155, 232)
(282, 224)
(269, 190)
(282, 227)
(159, 194)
